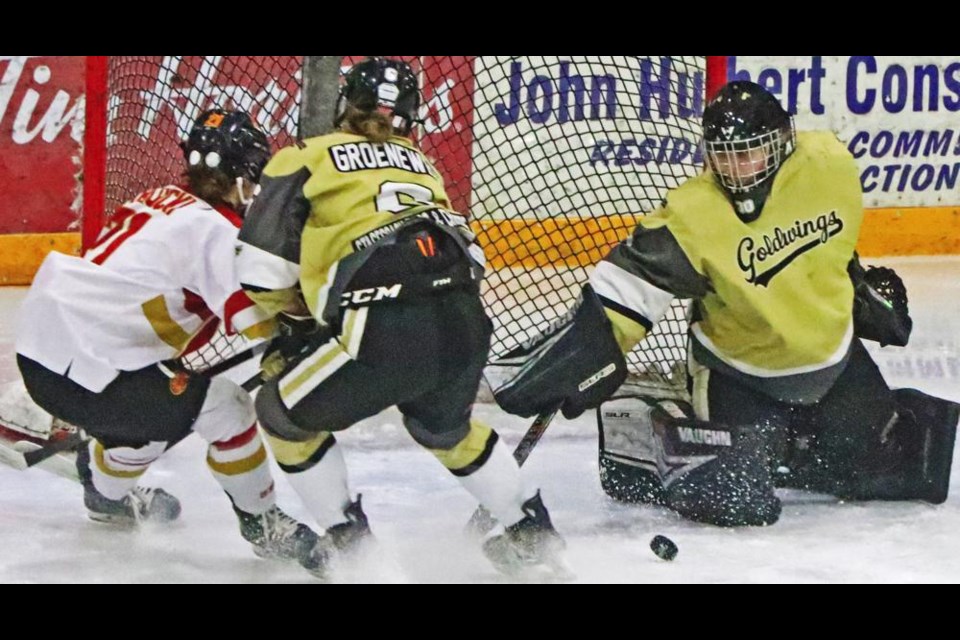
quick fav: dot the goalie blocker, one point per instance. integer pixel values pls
(574, 365)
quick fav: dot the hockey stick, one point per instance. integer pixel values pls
(236, 359)
(482, 521)
(72, 441)
(253, 382)
(24, 454)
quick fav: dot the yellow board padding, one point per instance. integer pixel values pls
(910, 231)
(22, 253)
(572, 242)
(901, 231)
(569, 242)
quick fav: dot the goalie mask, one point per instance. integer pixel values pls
(746, 137)
(381, 84)
(229, 142)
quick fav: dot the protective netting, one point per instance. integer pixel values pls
(152, 102)
(567, 152)
(553, 158)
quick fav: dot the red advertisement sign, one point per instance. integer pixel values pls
(151, 110)
(447, 112)
(41, 125)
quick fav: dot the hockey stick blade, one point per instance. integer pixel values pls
(37, 455)
(482, 520)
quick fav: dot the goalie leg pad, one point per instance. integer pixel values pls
(576, 367)
(655, 451)
(733, 488)
(713, 473)
(937, 419)
(916, 459)
(629, 451)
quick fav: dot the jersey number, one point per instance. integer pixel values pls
(397, 197)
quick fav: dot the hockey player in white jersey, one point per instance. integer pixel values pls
(99, 337)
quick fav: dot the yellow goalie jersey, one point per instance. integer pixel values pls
(772, 298)
(323, 200)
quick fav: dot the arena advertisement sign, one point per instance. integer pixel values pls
(897, 115)
(41, 126)
(597, 135)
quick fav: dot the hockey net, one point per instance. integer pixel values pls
(553, 159)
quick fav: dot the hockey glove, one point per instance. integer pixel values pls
(295, 337)
(880, 311)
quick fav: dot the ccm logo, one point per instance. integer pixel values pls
(599, 375)
(442, 281)
(363, 296)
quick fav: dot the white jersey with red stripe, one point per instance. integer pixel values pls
(154, 287)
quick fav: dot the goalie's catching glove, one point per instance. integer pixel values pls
(880, 311)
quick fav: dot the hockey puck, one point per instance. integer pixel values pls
(664, 547)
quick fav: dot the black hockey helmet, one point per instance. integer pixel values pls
(228, 141)
(380, 83)
(746, 137)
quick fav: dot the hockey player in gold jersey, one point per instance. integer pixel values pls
(353, 244)
(783, 392)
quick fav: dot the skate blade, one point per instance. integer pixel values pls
(321, 573)
(125, 522)
(550, 570)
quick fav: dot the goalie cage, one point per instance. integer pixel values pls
(552, 158)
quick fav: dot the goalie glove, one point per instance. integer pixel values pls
(880, 311)
(576, 365)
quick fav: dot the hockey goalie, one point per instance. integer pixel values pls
(782, 392)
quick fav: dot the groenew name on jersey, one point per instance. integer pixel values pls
(360, 156)
(823, 227)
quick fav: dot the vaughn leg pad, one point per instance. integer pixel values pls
(628, 454)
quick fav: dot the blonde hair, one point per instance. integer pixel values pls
(372, 125)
